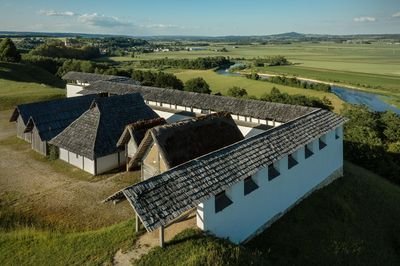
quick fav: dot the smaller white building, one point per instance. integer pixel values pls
(90, 142)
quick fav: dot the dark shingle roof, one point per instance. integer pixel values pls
(254, 108)
(96, 132)
(92, 77)
(51, 117)
(138, 129)
(188, 139)
(162, 198)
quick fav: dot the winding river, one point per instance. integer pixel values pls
(371, 100)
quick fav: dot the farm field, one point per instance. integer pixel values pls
(371, 67)
(219, 83)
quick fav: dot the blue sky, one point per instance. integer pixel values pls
(202, 17)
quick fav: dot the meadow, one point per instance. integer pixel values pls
(370, 67)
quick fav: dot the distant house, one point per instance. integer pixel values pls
(133, 136)
(167, 146)
(90, 142)
(39, 122)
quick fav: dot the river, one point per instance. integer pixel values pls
(371, 100)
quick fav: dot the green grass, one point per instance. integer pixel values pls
(354, 221)
(21, 83)
(374, 67)
(219, 83)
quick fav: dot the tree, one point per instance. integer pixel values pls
(8, 51)
(197, 85)
(391, 123)
(237, 92)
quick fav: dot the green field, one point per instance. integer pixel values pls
(354, 221)
(220, 83)
(371, 67)
(23, 83)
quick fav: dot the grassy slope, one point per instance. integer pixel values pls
(219, 83)
(354, 221)
(21, 83)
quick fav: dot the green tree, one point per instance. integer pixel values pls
(8, 51)
(236, 91)
(197, 85)
(391, 123)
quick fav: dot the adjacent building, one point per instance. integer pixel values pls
(39, 122)
(90, 142)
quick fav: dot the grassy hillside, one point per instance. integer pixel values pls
(354, 221)
(21, 83)
(219, 83)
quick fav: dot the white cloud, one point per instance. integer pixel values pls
(364, 19)
(396, 15)
(160, 26)
(52, 13)
(102, 21)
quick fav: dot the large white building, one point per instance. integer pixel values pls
(239, 190)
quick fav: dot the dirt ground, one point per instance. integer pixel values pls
(34, 187)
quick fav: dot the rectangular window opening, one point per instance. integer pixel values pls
(249, 185)
(222, 201)
(291, 161)
(337, 133)
(272, 172)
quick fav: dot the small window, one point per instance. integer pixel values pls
(222, 201)
(77, 156)
(249, 185)
(291, 161)
(307, 152)
(337, 133)
(321, 144)
(272, 172)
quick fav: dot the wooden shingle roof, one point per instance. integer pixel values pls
(92, 77)
(96, 132)
(161, 199)
(138, 130)
(51, 117)
(253, 108)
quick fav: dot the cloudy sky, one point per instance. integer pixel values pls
(201, 17)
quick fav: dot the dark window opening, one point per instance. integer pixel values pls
(291, 161)
(337, 134)
(272, 172)
(249, 185)
(307, 152)
(321, 144)
(222, 201)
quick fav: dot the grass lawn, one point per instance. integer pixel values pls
(219, 83)
(23, 83)
(354, 221)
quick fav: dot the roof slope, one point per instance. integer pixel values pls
(254, 108)
(138, 130)
(92, 77)
(51, 117)
(188, 139)
(96, 132)
(162, 198)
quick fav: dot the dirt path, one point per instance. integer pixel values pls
(34, 187)
(149, 240)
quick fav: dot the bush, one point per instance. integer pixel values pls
(197, 85)
(54, 152)
(236, 92)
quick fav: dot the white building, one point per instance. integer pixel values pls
(89, 142)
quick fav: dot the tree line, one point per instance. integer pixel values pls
(198, 63)
(276, 60)
(58, 50)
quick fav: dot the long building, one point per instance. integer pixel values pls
(240, 189)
